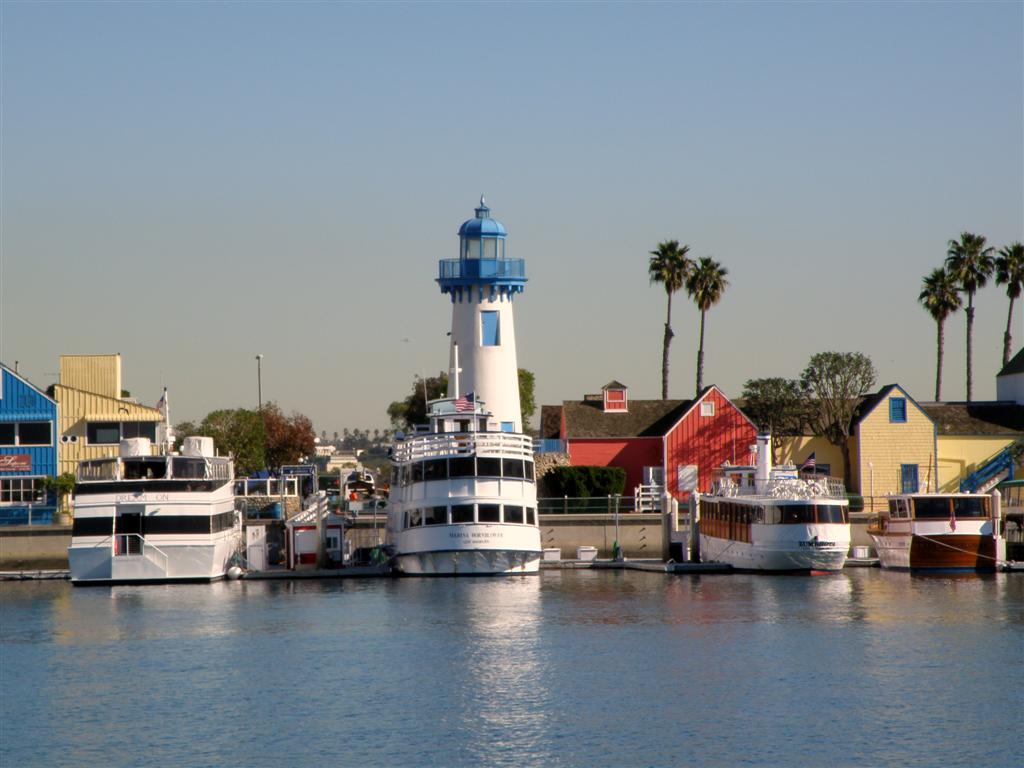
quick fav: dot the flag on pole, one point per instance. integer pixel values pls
(466, 403)
(810, 464)
(162, 403)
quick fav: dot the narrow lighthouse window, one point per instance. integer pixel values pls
(490, 332)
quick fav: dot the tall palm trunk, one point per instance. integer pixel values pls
(700, 355)
(664, 352)
(970, 332)
(939, 347)
(1007, 338)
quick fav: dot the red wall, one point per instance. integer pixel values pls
(632, 454)
(708, 441)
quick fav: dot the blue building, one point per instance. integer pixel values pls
(28, 450)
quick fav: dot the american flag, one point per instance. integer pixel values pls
(466, 403)
(810, 464)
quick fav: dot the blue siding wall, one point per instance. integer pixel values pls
(20, 401)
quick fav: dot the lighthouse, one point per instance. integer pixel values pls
(481, 283)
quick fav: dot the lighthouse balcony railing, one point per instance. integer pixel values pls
(432, 446)
(504, 269)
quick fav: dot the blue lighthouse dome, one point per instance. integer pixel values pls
(482, 225)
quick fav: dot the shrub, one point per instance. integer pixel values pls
(584, 482)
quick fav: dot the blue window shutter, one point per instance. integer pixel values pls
(490, 334)
(908, 476)
(898, 409)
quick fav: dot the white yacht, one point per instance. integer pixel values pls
(142, 518)
(464, 497)
(760, 518)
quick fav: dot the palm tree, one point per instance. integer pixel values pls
(940, 296)
(971, 264)
(669, 266)
(705, 285)
(1010, 272)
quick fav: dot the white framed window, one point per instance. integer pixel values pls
(707, 408)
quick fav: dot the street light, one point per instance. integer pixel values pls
(259, 380)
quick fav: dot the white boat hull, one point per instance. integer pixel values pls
(819, 547)
(92, 560)
(469, 549)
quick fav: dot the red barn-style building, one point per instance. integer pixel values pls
(687, 439)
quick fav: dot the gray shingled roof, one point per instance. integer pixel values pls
(645, 418)
(989, 418)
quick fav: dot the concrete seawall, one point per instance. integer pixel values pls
(36, 547)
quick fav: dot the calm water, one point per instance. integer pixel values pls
(569, 668)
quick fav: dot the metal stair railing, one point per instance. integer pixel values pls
(1001, 462)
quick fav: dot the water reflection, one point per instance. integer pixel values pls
(587, 667)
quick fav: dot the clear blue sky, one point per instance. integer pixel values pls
(190, 184)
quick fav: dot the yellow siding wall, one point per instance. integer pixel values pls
(795, 450)
(961, 455)
(100, 374)
(75, 408)
(885, 445)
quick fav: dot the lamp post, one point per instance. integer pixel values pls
(259, 381)
(871, 471)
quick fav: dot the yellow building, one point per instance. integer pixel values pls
(901, 446)
(892, 448)
(971, 435)
(93, 417)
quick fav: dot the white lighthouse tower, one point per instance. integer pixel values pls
(482, 283)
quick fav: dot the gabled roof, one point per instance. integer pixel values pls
(613, 384)
(977, 419)
(1016, 365)
(869, 402)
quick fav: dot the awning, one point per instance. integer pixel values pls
(10, 416)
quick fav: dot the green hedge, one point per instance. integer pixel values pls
(584, 482)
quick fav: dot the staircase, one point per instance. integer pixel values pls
(988, 476)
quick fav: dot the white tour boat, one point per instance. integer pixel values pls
(760, 518)
(463, 496)
(154, 518)
(463, 499)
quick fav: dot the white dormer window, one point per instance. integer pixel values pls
(707, 409)
(615, 400)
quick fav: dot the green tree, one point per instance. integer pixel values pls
(407, 413)
(778, 406)
(238, 432)
(668, 266)
(1010, 272)
(527, 399)
(62, 486)
(836, 381)
(970, 262)
(290, 439)
(941, 297)
(705, 285)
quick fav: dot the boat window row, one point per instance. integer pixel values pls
(775, 514)
(469, 513)
(463, 466)
(155, 468)
(147, 525)
(940, 507)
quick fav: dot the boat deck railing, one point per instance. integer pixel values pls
(436, 446)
